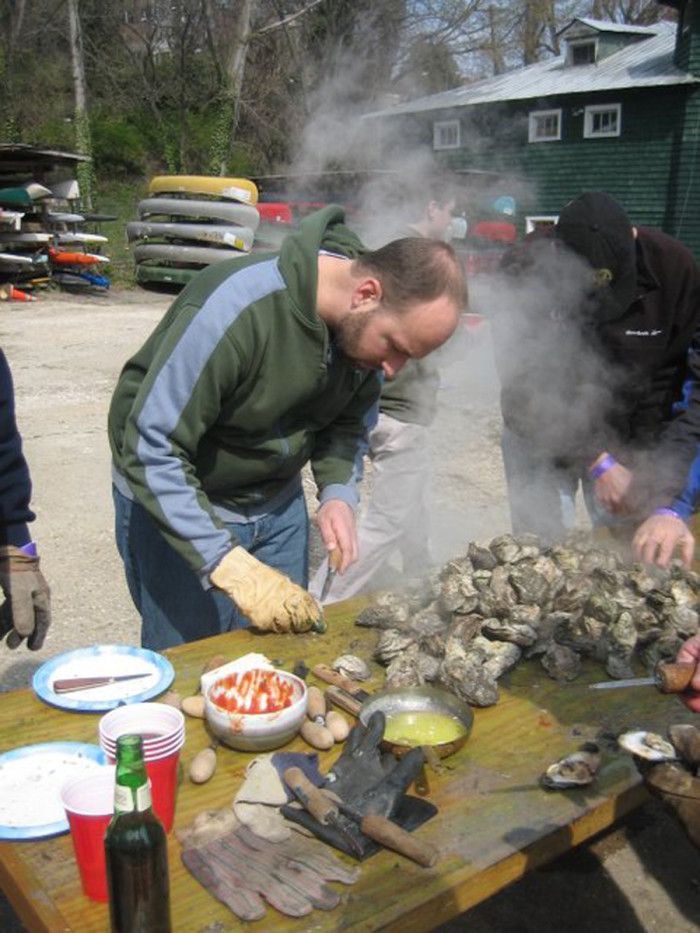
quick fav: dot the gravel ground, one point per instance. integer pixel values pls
(66, 352)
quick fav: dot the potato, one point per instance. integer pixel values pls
(316, 705)
(337, 725)
(203, 766)
(316, 735)
(194, 706)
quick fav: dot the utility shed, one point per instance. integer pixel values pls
(618, 110)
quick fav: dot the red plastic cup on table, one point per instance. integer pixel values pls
(89, 805)
(162, 729)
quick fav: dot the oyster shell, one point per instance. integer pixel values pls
(482, 558)
(467, 679)
(561, 663)
(529, 585)
(392, 643)
(405, 670)
(575, 770)
(647, 745)
(349, 665)
(505, 549)
(505, 630)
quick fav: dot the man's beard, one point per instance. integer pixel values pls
(347, 335)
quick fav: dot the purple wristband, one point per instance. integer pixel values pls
(605, 464)
(29, 549)
(671, 512)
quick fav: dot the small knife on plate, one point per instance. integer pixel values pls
(88, 683)
(669, 677)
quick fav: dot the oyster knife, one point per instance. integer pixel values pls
(630, 682)
(669, 677)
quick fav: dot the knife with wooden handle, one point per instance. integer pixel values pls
(89, 683)
(668, 677)
(329, 676)
(373, 825)
(318, 805)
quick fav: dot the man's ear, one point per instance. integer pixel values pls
(366, 290)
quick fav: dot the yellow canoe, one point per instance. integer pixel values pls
(234, 189)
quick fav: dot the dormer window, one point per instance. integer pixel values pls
(582, 52)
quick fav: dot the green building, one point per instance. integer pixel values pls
(618, 111)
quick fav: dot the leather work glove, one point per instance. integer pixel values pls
(680, 791)
(674, 782)
(244, 871)
(267, 597)
(26, 612)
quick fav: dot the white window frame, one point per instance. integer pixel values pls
(447, 127)
(532, 124)
(577, 43)
(590, 112)
(535, 220)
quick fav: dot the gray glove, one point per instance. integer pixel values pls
(243, 871)
(26, 612)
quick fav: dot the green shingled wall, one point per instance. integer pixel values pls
(653, 168)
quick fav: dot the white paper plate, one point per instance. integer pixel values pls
(31, 779)
(104, 660)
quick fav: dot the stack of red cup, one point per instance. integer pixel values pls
(162, 729)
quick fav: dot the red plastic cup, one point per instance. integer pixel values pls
(163, 775)
(89, 804)
(162, 772)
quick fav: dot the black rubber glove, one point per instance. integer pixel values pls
(368, 782)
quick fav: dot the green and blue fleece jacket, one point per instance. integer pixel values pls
(236, 389)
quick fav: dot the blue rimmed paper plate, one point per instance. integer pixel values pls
(31, 779)
(104, 660)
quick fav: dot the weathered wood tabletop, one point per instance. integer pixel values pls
(494, 822)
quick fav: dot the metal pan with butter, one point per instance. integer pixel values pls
(424, 716)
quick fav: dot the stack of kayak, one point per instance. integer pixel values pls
(191, 221)
(43, 238)
(23, 243)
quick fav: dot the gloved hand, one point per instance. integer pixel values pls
(267, 597)
(243, 871)
(680, 791)
(26, 612)
(674, 782)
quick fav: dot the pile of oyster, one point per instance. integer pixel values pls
(473, 619)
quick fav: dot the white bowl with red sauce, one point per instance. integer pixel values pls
(255, 710)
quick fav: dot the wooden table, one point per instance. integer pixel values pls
(494, 822)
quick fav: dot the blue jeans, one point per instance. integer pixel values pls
(542, 495)
(168, 594)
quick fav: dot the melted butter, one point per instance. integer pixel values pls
(422, 728)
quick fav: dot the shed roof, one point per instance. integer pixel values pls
(645, 63)
(603, 25)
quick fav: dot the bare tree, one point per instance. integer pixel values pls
(83, 138)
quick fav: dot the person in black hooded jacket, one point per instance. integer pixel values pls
(26, 612)
(603, 335)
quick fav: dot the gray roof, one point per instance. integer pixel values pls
(603, 25)
(645, 63)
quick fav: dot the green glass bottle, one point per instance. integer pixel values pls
(136, 849)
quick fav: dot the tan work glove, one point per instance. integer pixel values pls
(26, 612)
(267, 597)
